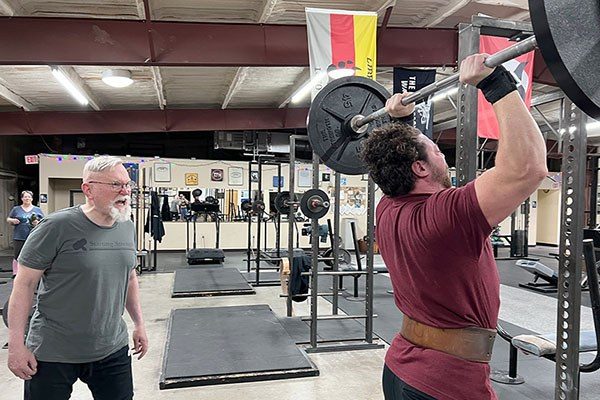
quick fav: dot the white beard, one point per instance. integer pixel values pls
(121, 215)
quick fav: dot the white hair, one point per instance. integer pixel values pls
(102, 163)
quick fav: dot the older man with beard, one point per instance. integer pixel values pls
(85, 259)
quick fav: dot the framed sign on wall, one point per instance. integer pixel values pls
(162, 172)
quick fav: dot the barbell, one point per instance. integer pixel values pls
(314, 203)
(346, 110)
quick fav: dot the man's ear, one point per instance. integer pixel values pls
(420, 168)
(86, 189)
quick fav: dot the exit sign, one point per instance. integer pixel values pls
(34, 159)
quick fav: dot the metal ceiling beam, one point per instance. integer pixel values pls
(77, 41)
(15, 99)
(74, 77)
(237, 80)
(267, 10)
(6, 8)
(147, 121)
(158, 87)
(444, 12)
(384, 23)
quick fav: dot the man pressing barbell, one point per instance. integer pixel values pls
(434, 240)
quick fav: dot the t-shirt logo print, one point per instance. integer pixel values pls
(80, 245)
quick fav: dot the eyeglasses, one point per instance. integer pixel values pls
(117, 186)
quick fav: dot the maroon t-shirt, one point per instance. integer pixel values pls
(437, 250)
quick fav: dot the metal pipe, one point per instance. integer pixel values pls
(258, 222)
(278, 237)
(336, 243)
(370, 260)
(290, 255)
(314, 265)
(492, 61)
(248, 251)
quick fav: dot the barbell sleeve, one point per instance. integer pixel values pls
(492, 61)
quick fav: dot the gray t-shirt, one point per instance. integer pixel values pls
(81, 296)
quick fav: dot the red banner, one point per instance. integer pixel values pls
(522, 70)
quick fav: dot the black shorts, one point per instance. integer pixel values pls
(108, 379)
(395, 388)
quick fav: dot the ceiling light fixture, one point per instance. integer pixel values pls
(307, 87)
(70, 86)
(340, 73)
(118, 78)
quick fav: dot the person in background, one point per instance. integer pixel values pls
(174, 208)
(183, 207)
(24, 218)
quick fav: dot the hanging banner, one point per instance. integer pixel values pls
(411, 80)
(522, 70)
(340, 43)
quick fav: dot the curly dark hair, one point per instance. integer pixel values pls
(389, 152)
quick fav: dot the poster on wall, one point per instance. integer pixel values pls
(162, 172)
(253, 176)
(43, 198)
(236, 176)
(277, 181)
(325, 176)
(132, 170)
(216, 175)
(305, 177)
(191, 179)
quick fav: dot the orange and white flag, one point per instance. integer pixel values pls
(341, 43)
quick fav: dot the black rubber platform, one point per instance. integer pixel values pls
(196, 282)
(219, 345)
(327, 330)
(267, 278)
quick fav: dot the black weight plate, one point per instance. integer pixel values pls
(246, 206)
(568, 36)
(305, 203)
(344, 257)
(340, 100)
(258, 207)
(280, 202)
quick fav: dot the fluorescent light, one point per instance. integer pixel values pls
(118, 78)
(593, 125)
(445, 93)
(71, 88)
(340, 73)
(307, 87)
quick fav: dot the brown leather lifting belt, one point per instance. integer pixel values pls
(471, 344)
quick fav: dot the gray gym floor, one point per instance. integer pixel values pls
(351, 375)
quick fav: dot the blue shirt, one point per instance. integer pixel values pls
(24, 227)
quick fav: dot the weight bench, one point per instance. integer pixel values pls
(540, 272)
(544, 345)
(545, 273)
(141, 260)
